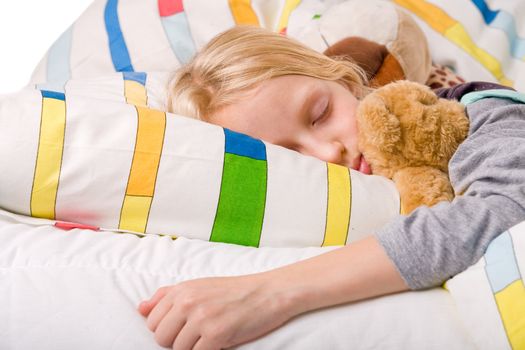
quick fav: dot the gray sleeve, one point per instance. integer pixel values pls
(488, 172)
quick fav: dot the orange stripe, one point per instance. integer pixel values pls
(150, 137)
(243, 13)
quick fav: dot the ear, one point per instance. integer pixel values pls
(389, 71)
(378, 127)
(367, 54)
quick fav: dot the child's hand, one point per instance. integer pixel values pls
(214, 313)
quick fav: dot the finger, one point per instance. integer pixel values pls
(186, 338)
(201, 344)
(146, 306)
(169, 328)
(158, 313)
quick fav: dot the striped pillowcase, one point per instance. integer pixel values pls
(104, 154)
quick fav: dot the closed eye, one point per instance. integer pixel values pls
(322, 116)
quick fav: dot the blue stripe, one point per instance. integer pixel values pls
(139, 77)
(117, 45)
(486, 12)
(505, 22)
(244, 145)
(178, 32)
(53, 94)
(501, 265)
(59, 63)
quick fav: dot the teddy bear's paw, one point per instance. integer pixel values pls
(423, 185)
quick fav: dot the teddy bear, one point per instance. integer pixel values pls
(383, 39)
(407, 134)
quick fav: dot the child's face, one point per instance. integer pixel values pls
(312, 116)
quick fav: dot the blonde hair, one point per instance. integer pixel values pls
(236, 61)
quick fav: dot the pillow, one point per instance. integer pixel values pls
(490, 295)
(476, 40)
(127, 36)
(130, 35)
(479, 40)
(104, 154)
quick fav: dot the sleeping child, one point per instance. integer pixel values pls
(273, 88)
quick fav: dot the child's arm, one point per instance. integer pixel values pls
(216, 313)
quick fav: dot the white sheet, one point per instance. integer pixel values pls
(79, 289)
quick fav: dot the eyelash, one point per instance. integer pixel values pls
(322, 115)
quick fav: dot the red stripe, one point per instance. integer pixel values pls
(71, 225)
(170, 7)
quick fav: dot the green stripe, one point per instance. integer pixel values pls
(240, 211)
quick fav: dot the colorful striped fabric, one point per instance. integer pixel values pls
(339, 205)
(491, 294)
(135, 88)
(478, 39)
(146, 157)
(113, 162)
(469, 35)
(49, 155)
(243, 12)
(144, 169)
(177, 29)
(117, 44)
(242, 199)
(448, 26)
(289, 7)
(506, 22)
(67, 57)
(58, 68)
(508, 287)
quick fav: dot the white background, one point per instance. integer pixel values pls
(27, 30)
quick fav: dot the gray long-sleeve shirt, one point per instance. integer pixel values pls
(488, 170)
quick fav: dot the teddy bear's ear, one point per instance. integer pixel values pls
(378, 127)
(408, 55)
(380, 66)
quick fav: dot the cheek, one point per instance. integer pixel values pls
(346, 119)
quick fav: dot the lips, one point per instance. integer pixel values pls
(364, 167)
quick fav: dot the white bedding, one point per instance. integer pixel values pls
(79, 289)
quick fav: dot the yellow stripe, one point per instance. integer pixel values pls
(511, 305)
(49, 158)
(339, 205)
(289, 6)
(135, 212)
(144, 169)
(458, 35)
(449, 27)
(243, 13)
(435, 17)
(135, 93)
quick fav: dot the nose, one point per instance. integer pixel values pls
(332, 152)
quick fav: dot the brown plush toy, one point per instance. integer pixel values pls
(408, 134)
(381, 38)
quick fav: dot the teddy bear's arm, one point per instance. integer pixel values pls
(422, 186)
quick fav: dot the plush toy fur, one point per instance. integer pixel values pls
(408, 134)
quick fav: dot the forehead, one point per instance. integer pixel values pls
(272, 105)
